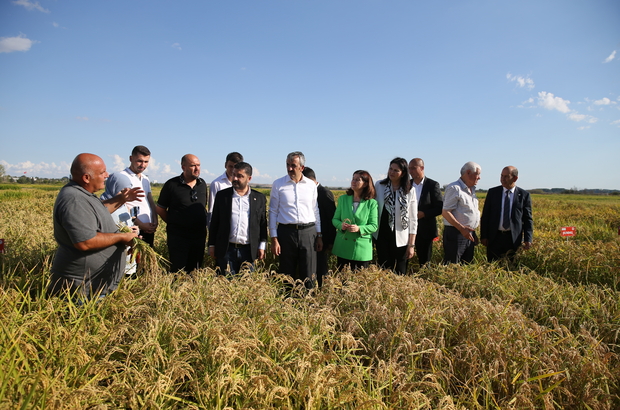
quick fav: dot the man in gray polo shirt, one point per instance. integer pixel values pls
(461, 216)
(91, 251)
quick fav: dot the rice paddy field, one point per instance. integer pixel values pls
(544, 335)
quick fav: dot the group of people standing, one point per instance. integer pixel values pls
(396, 216)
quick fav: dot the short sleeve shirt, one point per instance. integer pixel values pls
(79, 216)
(128, 179)
(186, 207)
(463, 204)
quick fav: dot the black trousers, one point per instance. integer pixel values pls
(424, 249)
(456, 247)
(390, 256)
(297, 253)
(353, 265)
(186, 253)
(501, 247)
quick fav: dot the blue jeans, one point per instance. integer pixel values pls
(233, 260)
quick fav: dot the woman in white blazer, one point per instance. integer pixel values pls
(398, 218)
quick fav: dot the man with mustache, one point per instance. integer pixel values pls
(295, 222)
(238, 229)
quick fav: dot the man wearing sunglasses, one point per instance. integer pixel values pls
(182, 205)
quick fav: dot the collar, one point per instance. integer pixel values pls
(130, 172)
(198, 180)
(303, 179)
(465, 187)
(236, 194)
(512, 190)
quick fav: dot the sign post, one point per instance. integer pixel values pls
(567, 231)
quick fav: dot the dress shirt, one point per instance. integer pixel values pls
(217, 185)
(293, 203)
(418, 188)
(512, 197)
(462, 203)
(239, 219)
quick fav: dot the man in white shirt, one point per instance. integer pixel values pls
(143, 212)
(461, 216)
(223, 181)
(295, 222)
(238, 231)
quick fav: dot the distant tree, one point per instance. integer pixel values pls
(2, 171)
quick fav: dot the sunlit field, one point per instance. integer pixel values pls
(543, 335)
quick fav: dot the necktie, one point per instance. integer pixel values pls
(506, 217)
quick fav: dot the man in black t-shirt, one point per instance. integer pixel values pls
(182, 205)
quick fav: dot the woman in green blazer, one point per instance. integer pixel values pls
(355, 221)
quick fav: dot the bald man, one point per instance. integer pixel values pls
(506, 223)
(182, 205)
(90, 259)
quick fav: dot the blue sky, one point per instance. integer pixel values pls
(352, 84)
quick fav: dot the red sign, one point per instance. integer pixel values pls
(1, 245)
(568, 231)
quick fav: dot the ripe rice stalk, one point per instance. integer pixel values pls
(148, 259)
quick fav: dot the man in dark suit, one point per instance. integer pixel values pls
(327, 208)
(238, 230)
(430, 205)
(506, 220)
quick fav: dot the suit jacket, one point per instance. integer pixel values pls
(521, 223)
(219, 230)
(402, 236)
(327, 207)
(431, 203)
(355, 246)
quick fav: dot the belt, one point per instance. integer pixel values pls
(238, 245)
(299, 226)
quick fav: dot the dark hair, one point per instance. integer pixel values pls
(245, 167)
(140, 149)
(234, 157)
(405, 184)
(369, 189)
(309, 173)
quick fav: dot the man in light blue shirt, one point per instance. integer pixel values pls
(461, 216)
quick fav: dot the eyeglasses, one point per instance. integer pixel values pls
(194, 195)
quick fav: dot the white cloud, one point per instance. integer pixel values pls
(177, 46)
(82, 118)
(603, 101)
(617, 122)
(19, 43)
(42, 169)
(611, 57)
(31, 6)
(550, 102)
(582, 117)
(585, 127)
(119, 164)
(522, 82)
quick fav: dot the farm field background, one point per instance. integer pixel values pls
(457, 337)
